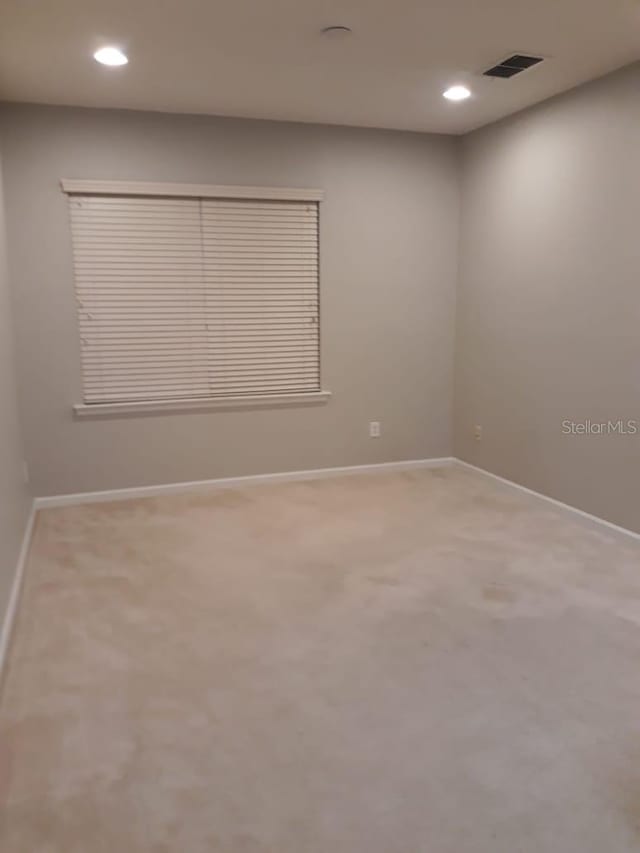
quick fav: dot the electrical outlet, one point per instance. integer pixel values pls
(374, 429)
(25, 471)
(477, 432)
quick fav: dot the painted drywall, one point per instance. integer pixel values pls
(548, 312)
(14, 498)
(388, 232)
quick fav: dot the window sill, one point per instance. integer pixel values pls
(151, 407)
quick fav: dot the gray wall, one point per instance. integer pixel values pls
(389, 231)
(548, 321)
(548, 297)
(14, 500)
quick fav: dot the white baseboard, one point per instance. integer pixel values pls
(16, 588)
(231, 482)
(592, 520)
(290, 476)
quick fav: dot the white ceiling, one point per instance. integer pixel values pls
(267, 59)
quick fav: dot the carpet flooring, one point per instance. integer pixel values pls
(419, 662)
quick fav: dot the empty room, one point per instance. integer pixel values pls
(319, 426)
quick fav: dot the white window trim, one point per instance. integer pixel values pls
(199, 404)
(73, 186)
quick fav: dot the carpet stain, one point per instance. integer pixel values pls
(500, 594)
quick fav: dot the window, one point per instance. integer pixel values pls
(192, 294)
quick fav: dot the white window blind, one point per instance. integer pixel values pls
(195, 298)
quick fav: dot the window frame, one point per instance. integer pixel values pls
(72, 186)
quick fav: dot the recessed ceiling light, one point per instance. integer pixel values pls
(110, 56)
(457, 93)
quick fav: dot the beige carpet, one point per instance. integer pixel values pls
(403, 663)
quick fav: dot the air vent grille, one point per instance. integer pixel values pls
(515, 64)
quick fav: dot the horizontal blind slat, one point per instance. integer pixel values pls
(144, 363)
(218, 394)
(177, 348)
(181, 385)
(217, 373)
(223, 298)
(160, 337)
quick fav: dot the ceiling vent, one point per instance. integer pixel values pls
(515, 64)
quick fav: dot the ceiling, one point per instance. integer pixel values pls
(267, 59)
